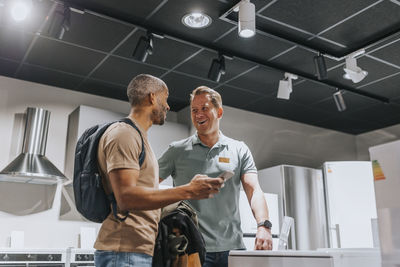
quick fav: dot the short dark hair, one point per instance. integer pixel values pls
(216, 98)
(141, 86)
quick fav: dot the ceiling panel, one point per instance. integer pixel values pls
(343, 124)
(259, 47)
(60, 56)
(167, 53)
(390, 53)
(102, 88)
(183, 57)
(353, 103)
(176, 104)
(308, 93)
(180, 86)
(261, 81)
(8, 67)
(121, 71)
(14, 44)
(314, 16)
(236, 98)
(389, 87)
(49, 77)
(93, 31)
(301, 60)
(287, 110)
(200, 64)
(127, 10)
(383, 114)
(361, 29)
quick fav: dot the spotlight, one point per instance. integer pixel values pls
(143, 48)
(217, 68)
(339, 101)
(20, 9)
(353, 72)
(60, 23)
(196, 20)
(285, 86)
(247, 19)
(320, 67)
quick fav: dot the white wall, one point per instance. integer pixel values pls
(275, 141)
(373, 138)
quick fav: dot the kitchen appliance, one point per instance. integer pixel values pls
(32, 166)
(33, 257)
(296, 258)
(80, 257)
(300, 193)
(248, 223)
(350, 199)
(386, 169)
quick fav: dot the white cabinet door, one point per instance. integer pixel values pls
(350, 203)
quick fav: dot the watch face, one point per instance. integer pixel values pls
(267, 224)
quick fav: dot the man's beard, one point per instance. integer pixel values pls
(158, 116)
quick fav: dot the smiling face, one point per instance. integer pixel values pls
(205, 116)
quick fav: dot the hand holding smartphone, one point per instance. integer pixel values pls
(226, 175)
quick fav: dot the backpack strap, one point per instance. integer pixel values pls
(142, 157)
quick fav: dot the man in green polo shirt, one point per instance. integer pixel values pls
(211, 153)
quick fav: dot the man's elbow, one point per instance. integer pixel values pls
(124, 201)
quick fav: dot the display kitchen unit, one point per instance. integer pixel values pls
(311, 87)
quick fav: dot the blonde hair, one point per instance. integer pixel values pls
(216, 98)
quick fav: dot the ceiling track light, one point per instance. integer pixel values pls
(217, 68)
(143, 48)
(339, 100)
(247, 19)
(320, 67)
(233, 53)
(285, 86)
(60, 23)
(352, 71)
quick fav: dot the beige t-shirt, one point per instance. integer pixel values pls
(119, 147)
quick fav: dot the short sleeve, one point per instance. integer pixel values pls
(122, 147)
(247, 162)
(166, 162)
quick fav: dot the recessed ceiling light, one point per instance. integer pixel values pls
(20, 9)
(196, 20)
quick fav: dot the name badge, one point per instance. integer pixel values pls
(224, 160)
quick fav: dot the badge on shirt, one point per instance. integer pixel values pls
(224, 160)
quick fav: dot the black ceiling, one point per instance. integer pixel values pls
(95, 55)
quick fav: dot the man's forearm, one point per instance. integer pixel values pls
(259, 206)
(143, 198)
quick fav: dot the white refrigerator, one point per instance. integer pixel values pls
(386, 168)
(350, 201)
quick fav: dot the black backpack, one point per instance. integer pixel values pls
(90, 198)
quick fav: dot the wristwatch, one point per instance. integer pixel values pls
(266, 224)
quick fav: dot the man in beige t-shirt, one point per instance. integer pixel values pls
(131, 242)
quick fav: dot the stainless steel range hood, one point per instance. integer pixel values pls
(32, 166)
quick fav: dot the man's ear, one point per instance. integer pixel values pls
(220, 112)
(152, 98)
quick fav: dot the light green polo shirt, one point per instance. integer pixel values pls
(219, 217)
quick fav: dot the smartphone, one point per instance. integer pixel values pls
(226, 175)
